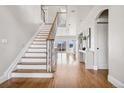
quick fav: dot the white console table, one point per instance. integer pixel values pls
(82, 56)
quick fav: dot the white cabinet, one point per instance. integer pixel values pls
(82, 56)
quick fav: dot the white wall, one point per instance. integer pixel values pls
(51, 12)
(71, 20)
(62, 31)
(116, 45)
(82, 13)
(17, 25)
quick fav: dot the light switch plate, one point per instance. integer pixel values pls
(4, 41)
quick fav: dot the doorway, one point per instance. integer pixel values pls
(66, 51)
(102, 40)
(61, 46)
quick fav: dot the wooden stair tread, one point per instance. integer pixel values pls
(40, 37)
(43, 34)
(45, 29)
(32, 63)
(29, 71)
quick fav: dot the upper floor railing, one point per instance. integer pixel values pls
(42, 14)
(53, 29)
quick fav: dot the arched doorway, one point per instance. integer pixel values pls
(102, 40)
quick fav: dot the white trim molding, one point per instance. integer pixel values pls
(3, 78)
(115, 82)
(95, 67)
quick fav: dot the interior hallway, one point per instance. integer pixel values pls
(69, 74)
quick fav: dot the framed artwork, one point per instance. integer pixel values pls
(89, 38)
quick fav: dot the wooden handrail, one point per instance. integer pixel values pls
(50, 37)
(52, 27)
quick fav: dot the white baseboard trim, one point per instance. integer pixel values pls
(95, 67)
(89, 67)
(104, 66)
(3, 78)
(115, 82)
(8, 72)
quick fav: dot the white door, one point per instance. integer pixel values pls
(102, 45)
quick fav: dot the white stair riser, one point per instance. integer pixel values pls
(32, 75)
(40, 36)
(40, 39)
(35, 54)
(45, 29)
(32, 60)
(31, 67)
(38, 42)
(46, 34)
(36, 50)
(47, 26)
(38, 46)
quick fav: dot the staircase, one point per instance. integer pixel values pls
(33, 64)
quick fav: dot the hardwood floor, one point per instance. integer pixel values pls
(68, 75)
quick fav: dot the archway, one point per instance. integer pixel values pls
(102, 40)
